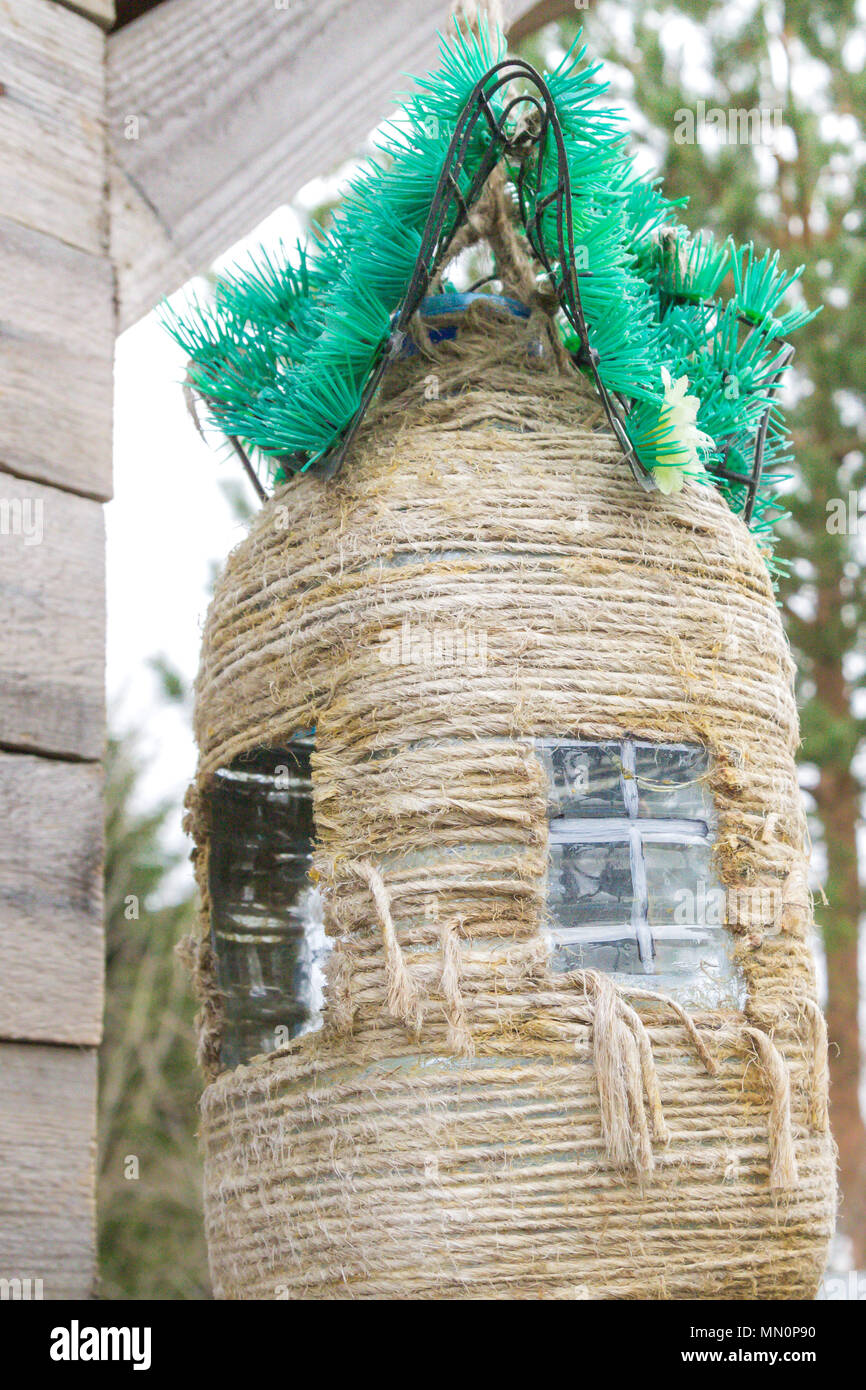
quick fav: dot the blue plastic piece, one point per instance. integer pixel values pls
(437, 306)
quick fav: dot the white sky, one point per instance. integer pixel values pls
(168, 526)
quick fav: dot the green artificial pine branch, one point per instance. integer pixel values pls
(283, 353)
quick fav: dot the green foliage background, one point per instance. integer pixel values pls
(151, 1240)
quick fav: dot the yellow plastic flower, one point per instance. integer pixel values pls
(677, 453)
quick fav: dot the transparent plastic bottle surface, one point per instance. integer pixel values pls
(267, 925)
(632, 890)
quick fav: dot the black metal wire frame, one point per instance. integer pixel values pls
(250, 471)
(751, 481)
(450, 210)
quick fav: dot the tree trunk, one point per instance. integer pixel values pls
(838, 802)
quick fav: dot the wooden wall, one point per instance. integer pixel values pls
(56, 354)
(254, 100)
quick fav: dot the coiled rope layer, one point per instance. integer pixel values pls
(483, 573)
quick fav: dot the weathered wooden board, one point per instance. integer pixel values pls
(51, 944)
(148, 263)
(56, 352)
(52, 138)
(217, 114)
(47, 1162)
(56, 361)
(52, 568)
(102, 11)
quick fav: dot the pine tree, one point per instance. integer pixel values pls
(797, 182)
(151, 1237)
(151, 1242)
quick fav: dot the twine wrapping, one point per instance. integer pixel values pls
(783, 1164)
(467, 1123)
(404, 1000)
(819, 1072)
(459, 1035)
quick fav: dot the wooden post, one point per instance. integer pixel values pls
(56, 354)
(218, 113)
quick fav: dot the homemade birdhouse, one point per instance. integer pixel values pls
(505, 966)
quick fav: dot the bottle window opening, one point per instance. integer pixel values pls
(267, 922)
(631, 886)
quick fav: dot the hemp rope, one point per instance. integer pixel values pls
(459, 1035)
(783, 1164)
(625, 1071)
(404, 1000)
(582, 1135)
(819, 1074)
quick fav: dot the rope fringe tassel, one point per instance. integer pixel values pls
(459, 1035)
(783, 1164)
(819, 1072)
(404, 997)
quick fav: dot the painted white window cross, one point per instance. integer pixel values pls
(631, 885)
